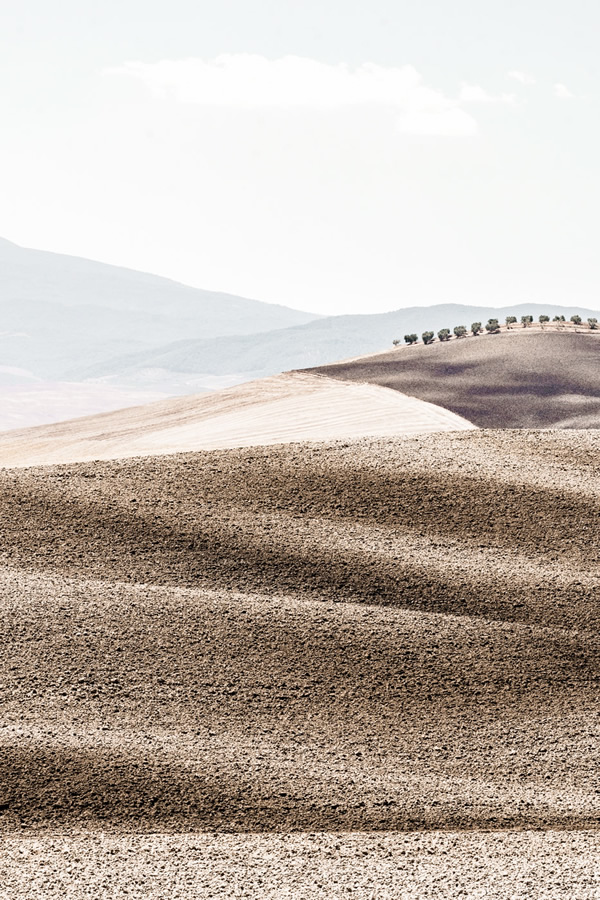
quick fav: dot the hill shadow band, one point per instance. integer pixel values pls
(225, 543)
(66, 788)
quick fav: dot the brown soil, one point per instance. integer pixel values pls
(369, 636)
(518, 379)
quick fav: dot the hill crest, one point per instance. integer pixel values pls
(528, 378)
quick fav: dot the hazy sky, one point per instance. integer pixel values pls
(333, 155)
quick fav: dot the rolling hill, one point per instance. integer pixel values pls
(394, 641)
(128, 336)
(351, 650)
(525, 378)
(281, 409)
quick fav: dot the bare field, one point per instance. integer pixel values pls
(522, 378)
(284, 408)
(393, 642)
(383, 866)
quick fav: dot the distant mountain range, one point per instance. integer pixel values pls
(187, 365)
(59, 313)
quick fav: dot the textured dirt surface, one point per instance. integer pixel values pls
(518, 379)
(284, 408)
(377, 637)
(519, 866)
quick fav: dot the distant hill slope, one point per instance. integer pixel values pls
(58, 312)
(520, 379)
(277, 410)
(312, 344)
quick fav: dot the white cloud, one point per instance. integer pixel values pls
(250, 81)
(562, 92)
(522, 77)
(473, 93)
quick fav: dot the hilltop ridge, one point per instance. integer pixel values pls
(316, 343)
(521, 378)
(277, 410)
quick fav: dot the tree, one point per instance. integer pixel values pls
(396, 342)
(428, 337)
(411, 338)
(558, 319)
(492, 326)
(593, 323)
(576, 320)
(444, 334)
(543, 319)
(511, 320)
(476, 327)
(460, 331)
(526, 320)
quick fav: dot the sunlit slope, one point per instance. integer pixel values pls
(370, 635)
(291, 407)
(518, 379)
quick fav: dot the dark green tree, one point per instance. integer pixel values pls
(460, 331)
(411, 338)
(526, 320)
(576, 320)
(428, 337)
(593, 323)
(543, 319)
(444, 334)
(511, 320)
(476, 327)
(492, 326)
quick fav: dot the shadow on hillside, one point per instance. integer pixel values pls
(61, 787)
(196, 545)
(537, 380)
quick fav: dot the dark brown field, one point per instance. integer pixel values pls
(517, 379)
(392, 637)
(372, 636)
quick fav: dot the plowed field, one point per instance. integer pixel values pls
(397, 637)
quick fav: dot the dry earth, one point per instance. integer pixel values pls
(524, 378)
(381, 866)
(387, 650)
(290, 407)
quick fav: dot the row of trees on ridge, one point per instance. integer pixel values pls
(492, 326)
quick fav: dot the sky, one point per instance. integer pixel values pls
(333, 155)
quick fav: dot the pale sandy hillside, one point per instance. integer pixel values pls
(284, 408)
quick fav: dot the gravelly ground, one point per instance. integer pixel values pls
(478, 865)
(384, 637)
